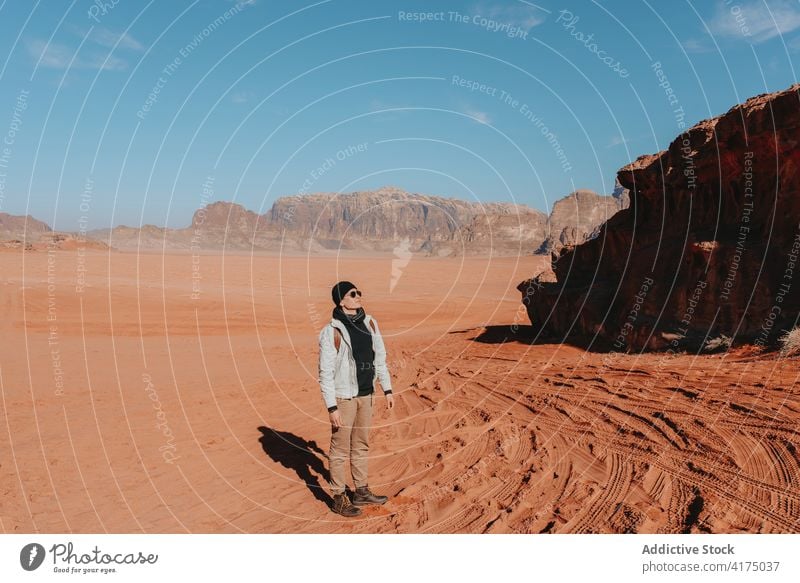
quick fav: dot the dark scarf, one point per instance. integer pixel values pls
(361, 341)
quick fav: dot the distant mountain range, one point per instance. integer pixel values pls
(387, 220)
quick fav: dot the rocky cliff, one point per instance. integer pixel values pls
(577, 217)
(30, 234)
(369, 221)
(384, 220)
(501, 233)
(707, 253)
(380, 220)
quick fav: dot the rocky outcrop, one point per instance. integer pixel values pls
(51, 241)
(501, 232)
(222, 225)
(25, 233)
(622, 195)
(383, 219)
(577, 217)
(707, 254)
(21, 228)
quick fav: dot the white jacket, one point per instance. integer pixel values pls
(337, 370)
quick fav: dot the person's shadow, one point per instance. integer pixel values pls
(297, 454)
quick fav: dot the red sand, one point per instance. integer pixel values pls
(131, 407)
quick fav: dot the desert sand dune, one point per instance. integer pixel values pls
(131, 406)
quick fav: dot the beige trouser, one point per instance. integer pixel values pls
(351, 437)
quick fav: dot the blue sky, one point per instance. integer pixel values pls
(129, 112)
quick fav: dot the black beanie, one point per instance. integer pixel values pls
(341, 288)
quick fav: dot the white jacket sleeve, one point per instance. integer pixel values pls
(327, 366)
(380, 359)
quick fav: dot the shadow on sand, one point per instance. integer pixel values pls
(527, 335)
(305, 458)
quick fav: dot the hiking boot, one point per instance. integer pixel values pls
(342, 505)
(364, 496)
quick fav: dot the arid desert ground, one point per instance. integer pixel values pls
(172, 393)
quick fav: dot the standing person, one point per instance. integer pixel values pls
(351, 353)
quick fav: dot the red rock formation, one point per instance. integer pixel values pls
(708, 250)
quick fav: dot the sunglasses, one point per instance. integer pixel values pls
(354, 293)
